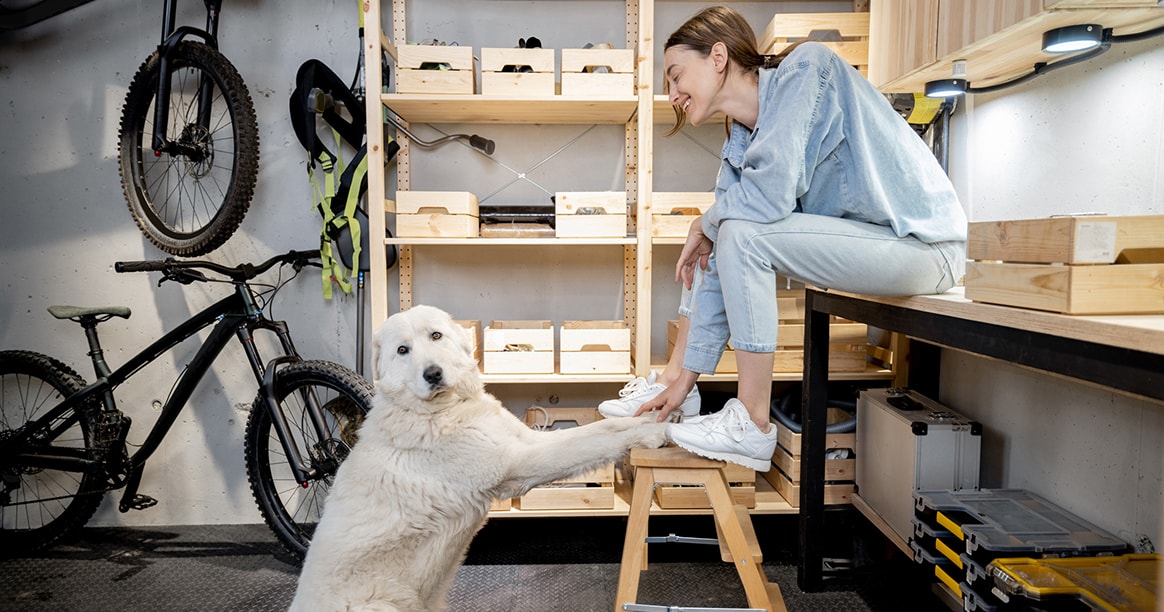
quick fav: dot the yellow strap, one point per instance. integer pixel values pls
(924, 109)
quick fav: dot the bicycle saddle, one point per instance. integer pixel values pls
(70, 312)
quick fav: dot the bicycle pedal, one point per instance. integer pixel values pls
(141, 502)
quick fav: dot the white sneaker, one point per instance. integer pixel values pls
(639, 391)
(728, 435)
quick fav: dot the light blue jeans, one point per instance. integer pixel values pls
(825, 252)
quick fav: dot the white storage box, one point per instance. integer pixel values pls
(907, 442)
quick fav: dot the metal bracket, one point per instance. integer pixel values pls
(682, 540)
(632, 607)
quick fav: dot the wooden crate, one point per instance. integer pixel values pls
(580, 79)
(785, 473)
(1072, 265)
(594, 347)
(672, 212)
(590, 214)
(1068, 240)
(852, 28)
(1068, 289)
(436, 214)
(519, 347)
(456, 74)
(495, 82)
(592, 490)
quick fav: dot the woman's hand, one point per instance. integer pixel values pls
(696, 250)
(669, 399)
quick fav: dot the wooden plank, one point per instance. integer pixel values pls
(448, 202)
(453, 82)
(597, 85)
(594, 362)
(835, 469)
(456, 57)
(497, 109)
(834, 494)
(617, 60)
(517, 84)
(1136, 332)
(567, 498)
(494, 59)
(436, 226)
(576, 202)
(594, 336)
(538, 335)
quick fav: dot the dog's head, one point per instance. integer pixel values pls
(422, 352)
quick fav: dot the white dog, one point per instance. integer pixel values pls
(432, 454)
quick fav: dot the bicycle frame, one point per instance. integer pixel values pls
(171, 36)
(235, 315)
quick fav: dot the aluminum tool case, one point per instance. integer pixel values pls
(907, 442)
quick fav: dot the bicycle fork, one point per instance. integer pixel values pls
(171, 36)
(304, 471)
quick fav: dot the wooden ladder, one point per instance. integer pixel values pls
(737, 538)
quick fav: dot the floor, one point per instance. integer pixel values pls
(515, 565)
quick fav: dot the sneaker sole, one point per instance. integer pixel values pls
(749, 462)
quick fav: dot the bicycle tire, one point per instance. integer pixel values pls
(30, 385)
(290, 509)
(189, 205)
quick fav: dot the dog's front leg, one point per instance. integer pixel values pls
(538, 457)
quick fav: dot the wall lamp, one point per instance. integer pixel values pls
(1090, 37)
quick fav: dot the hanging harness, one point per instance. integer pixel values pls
(320, 94)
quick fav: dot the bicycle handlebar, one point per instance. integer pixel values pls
(241, 273)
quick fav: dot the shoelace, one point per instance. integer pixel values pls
(633, 387)
(732, 423)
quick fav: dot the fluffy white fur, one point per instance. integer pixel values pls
(432, 454)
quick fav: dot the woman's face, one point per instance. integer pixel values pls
(692, 81)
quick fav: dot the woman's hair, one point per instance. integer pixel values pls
(717, 24)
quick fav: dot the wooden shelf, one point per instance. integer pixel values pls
(448, 108)
(510, 241)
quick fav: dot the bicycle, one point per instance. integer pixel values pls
(188, 141)
(63, 441)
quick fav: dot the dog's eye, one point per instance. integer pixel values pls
(402, 350)
(437, 335)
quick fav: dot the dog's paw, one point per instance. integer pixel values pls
(651, 433)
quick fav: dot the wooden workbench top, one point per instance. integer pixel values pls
(1135, 332)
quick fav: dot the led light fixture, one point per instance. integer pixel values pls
(1072, 38)
(945, 88)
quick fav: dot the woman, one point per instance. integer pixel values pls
(821, 181)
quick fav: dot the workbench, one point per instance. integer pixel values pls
(1123, 353)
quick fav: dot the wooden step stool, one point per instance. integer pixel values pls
(737, 538)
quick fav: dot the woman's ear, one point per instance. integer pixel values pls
(719, 56)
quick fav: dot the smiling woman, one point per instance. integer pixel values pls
(820, 181)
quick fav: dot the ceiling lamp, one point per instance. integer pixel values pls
(1072, 38)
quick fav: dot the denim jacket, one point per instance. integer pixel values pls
(827, 142)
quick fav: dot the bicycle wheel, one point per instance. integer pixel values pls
(291, 509)
(189, 199)
(38, 506)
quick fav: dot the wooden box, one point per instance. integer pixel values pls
(519, 347)
(598, 73)
(436, 214)
(495, 82)
(673, 212)
(594, 347)
(1072, 265)
(592, 490)
(851, 28)
(785, 473)
(1070, 240)
(447, 70)
(1068, 289)
(590, 214)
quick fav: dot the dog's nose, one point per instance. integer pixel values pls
(433, 375)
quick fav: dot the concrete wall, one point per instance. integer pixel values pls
(1089, 137)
